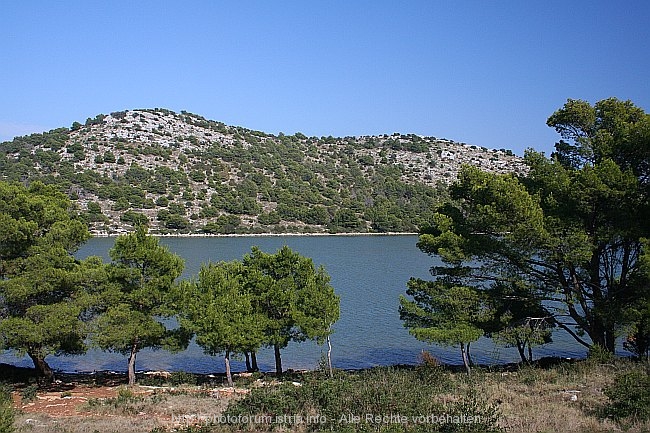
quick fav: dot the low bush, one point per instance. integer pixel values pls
(182, 378)
(378, 400)
(29, 392)
(6, 410)
(629, 397)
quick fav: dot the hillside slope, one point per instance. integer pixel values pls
(182, 173)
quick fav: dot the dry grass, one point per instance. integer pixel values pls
(86, 424)
(562, 398)
(565, 398)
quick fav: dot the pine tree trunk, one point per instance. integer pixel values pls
(521, 348)
(134, 352)
(278, 360)
(254, 361)
(610, 340)
(465, 360)
(228, 372)
(43, 370)
(329, 356)
(598, 335)
(249, 369)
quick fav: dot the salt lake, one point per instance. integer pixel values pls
(368, 273)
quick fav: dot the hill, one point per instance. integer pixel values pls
(182, 173)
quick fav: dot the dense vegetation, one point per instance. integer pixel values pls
(264, 300)
(565, 246)
(52, 303)
(183, 173)
(135, 295)
(44, 291)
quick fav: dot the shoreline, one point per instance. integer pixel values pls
(253, 235)
(543, 362)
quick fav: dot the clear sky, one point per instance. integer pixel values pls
(482, 72)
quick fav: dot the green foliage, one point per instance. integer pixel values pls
(29, 392)
(444, 313)
(224, 224)
(136, 174)
(109, 157)
(122, 203)
(96, 120)
(567, 236)
(7, 413)
(347, 219)
(269, 218)
(629, 397)
(162, 201)
(134, 218)
(182, 378)
(197, 176)
(94, 208)
(600, 355)
(295, 297)
(44, 290)
(219, 308)
(142, 273)
(638, 314)
(177, 222)
(518, 320)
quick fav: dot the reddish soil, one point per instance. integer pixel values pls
(65, 397)
(65, 402)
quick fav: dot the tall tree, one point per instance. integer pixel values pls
(446, 314)
(142, 272)
(638, 313)
(218, 308)
(294, 295)
(44, 291)
(569, 232)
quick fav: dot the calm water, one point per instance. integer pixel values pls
(368, 273)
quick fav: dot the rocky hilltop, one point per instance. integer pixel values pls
(182, 173)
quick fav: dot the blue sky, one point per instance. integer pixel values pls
(483, 72)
